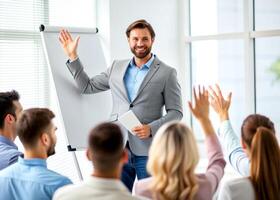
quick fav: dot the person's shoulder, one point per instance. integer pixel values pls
(238, 185)
(10, 171)
(162, 64)
(238, 181)
(56, 178)
(68, 191)
(120, 61)
(143, 183)
(142, 187)
(134, 197)
(240, 188)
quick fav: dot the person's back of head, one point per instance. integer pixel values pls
(10, 109)
(36, 131)
(251, 124)
(105, 148)
(258, 133)
(173, 157)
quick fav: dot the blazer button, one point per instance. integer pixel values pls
(131, 105)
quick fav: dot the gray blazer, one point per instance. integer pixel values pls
(159, 88)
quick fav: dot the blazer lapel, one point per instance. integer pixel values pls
(123, 68)
(154, 67)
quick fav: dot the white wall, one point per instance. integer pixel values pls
(165, 16)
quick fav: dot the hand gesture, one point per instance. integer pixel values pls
(68, 44)
(200, 109)
(219, 104)
(143, 131)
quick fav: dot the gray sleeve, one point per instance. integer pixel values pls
(173, 102)
(88, 85)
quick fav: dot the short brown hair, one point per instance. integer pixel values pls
(32, 123)
(6, 105)
(106, 144)
(141, 23)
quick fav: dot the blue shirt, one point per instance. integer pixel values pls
(134, 76)
(9, 152)
(30, 180)
(233, 150)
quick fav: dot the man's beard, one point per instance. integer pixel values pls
(51, 150)
(143, 54)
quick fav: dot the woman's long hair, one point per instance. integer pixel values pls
(173, 158)
(259, 135)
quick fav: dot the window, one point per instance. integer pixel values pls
(268, 78)
(22, 61)
(236, 44)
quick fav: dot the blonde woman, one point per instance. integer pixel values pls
(174, 156)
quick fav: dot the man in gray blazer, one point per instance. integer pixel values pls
(143, 84)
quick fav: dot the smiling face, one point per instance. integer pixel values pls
(140, 42)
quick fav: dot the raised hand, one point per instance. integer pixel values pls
(200, 109)
(68, 44)
(219, 103)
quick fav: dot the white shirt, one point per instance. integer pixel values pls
(95, 188)
(237, 189)
(233, 150)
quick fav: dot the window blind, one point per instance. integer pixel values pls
(22, 63)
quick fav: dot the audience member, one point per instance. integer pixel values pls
(174, 156)
(105, 150)
(10, 110)
(30, 178)
(231, 143)
(258, 155)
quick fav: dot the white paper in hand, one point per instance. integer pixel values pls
(129, 121)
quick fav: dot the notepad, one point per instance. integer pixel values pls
(129, 121)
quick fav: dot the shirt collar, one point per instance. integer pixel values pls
(7, 141)
(147, 64)
(33, 162)
(105, 183)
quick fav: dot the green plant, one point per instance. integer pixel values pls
(275, 68)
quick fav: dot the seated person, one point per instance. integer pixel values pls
(10, 110)
(30, 178)
(262, 148)
(106, 151)
(231, 143)
(174, 156)
(258, 156)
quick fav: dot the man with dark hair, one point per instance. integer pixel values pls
(30, 178)
(10, 110)
(105, 151)
(143, 84)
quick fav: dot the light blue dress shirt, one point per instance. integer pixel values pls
(233, 150)
(30, 180)
(134, 77)
(9, 152)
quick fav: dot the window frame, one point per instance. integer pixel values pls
(248, 36)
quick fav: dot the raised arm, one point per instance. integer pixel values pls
(69, 45)
(216, 163)
(233, 150)
(85, 84)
